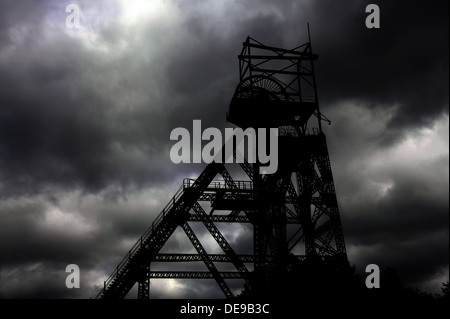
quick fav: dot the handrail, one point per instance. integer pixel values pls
(188, 182)
(143, 238)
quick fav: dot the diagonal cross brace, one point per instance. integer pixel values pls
(207, 260)
(217, 235)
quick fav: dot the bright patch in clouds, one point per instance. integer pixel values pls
(417, 148)
(168, 288)
(56, 219)
(136, 11)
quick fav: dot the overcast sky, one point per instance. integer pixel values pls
(86, 114)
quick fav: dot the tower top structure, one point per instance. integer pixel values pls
(277, 88)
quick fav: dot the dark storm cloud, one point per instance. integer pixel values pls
(89, 115)
(393, 200)
(404, 62)
(410, 210)
(67, 135)
(57, 131)
(40, 238)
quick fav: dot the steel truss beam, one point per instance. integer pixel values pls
(144, 282)
(234, 219)
(165, 257)
(195, 275)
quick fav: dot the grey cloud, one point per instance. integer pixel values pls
(75, 119)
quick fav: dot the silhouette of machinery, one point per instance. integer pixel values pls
(293, 214)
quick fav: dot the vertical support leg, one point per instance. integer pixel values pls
(144, 283)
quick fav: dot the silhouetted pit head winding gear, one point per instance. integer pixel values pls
(293, 213)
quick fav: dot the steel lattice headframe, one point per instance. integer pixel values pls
(293, 213)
